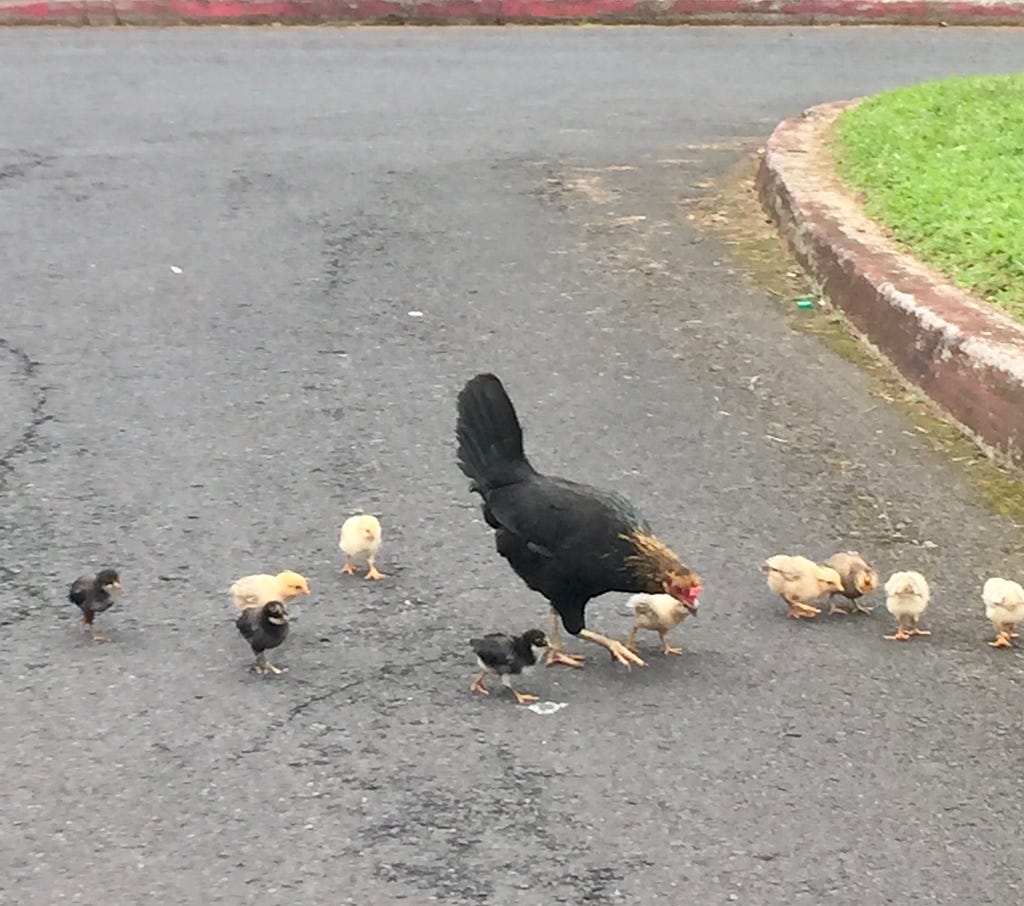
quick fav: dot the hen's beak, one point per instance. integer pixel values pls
(692, 606)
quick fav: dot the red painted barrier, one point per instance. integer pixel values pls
(491, 12)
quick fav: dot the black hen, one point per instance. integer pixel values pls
(93, 593)
(264, 628)
(568, 541)
(507, 656)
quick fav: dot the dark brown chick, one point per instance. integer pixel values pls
(264, 628)
(93, 593)
(859, 580)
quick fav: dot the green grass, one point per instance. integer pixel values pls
(942, 166)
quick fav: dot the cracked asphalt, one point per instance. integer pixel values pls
(524, 190)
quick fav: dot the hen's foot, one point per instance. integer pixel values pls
(916, 631)
(900, 636)
(1002, 641)
(478, 685)
(524, 697)
(348, 569)
(862, 608)
(374, 573)
(560, 657)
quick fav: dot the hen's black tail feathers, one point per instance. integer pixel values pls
(490, 437)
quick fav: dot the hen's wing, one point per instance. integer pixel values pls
(551, 514)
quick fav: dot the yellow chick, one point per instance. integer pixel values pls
(260, 589)
(798, 581)
(859, 579)
(361, 539)
(907, 597)
(661, 613)
(1004, 606)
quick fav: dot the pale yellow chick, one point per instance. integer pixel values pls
(798, 581)
(859, 579)
(1004, 606)
(260, 589)
(660, 613)
(360, 540)
(907, 597)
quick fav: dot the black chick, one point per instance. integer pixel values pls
(93, 593)
(264, 628)
(506, 656)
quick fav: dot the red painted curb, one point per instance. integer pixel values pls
(494, 12)
(964, 353)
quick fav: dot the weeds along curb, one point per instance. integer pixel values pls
(961, 352)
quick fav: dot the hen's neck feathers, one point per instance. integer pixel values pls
(651, 560)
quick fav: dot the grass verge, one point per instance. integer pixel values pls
(941, 165)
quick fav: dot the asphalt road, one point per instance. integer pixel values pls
(314, 188)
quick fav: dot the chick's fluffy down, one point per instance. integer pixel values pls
(1004, 602)
(657, 612)
(361, 536)
(260, 589)
(907, 594)
(859, 579)
(800, 579)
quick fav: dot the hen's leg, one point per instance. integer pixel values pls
(615, 648)
(555, 653)
(666, 647)
(349, 568)
(374, 573)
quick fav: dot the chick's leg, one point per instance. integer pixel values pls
(521, 697)
(631, 641)
(90, 627)
(916, 630)
(800, 611)
(666, 647)
(478, 685)
(373, 573)
(835, 608)
(349, 568)
(615, 648)
(901, 634)
(263, 666)
(1002, 640)
(555, 653)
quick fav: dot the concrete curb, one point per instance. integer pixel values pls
(500, 12)
(964, 353)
